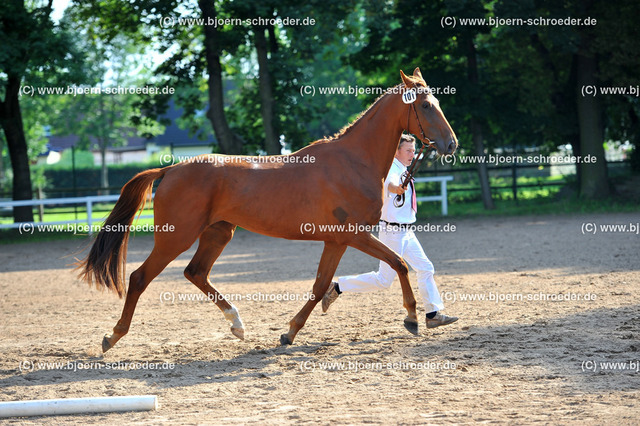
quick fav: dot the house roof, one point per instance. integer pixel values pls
(176, 136)
(173, 136)
(60, 143)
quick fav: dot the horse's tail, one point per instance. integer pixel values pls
(105, 263)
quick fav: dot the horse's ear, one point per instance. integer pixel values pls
(407, 81)
(417, 73)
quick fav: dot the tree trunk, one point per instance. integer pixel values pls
(483, 172)
(593, 176)
(272, 144)
(563, 99)
(568, 105)
(11, 121)
(229, 141)
(1, 163)
(273, 41)
(476, 128)
(103, 143)
(104, 172)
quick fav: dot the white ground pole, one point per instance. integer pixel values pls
(56, 407)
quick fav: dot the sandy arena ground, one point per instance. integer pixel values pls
(515, 360)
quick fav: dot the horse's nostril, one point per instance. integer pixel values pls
(451, 147)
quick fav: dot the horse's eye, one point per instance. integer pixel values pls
(426, 104)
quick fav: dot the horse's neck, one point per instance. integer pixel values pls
(375, 136)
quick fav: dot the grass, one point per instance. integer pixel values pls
(534, 200)
(60, 214)
(541, 196)
(532, 206)
(64, 214)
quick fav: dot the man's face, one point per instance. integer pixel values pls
(405, 153)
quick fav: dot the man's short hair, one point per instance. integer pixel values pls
(406, 139)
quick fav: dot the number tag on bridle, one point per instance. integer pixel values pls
(409, 96)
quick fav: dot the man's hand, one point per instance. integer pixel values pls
(397, 189)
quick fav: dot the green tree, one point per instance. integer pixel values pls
(290, 57)
(108, 115)
(252, 73)
(570, 58)
(34, 52)
(196, 50)
(518, 84)
(407, 34)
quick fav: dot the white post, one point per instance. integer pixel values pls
(48, 407)
(443, 193)
(90, 214)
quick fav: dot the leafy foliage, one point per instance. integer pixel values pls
(524, 96)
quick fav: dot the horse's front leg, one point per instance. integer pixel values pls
(372, 246)
(329, 261)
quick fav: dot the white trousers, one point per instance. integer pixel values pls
(408, 247)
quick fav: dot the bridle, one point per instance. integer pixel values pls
(415, 166)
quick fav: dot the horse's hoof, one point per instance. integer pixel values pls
(238, 332)
(284, 340)
(411, 326)
(106, 345)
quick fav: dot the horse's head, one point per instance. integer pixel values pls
(425, 118)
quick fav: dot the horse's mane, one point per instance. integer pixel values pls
(350, 126)
(416, 81)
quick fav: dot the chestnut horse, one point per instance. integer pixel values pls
(208, 196)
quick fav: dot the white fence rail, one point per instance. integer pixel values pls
(88, 201)
(91, 200)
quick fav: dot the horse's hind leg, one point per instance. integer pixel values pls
(138, 282)
(212, 241)
(328, 264)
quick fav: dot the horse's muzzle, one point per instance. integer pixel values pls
(451, 147)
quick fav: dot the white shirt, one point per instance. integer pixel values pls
(390, 212)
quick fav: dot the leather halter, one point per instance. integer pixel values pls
(412, 106)
(419, 158)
